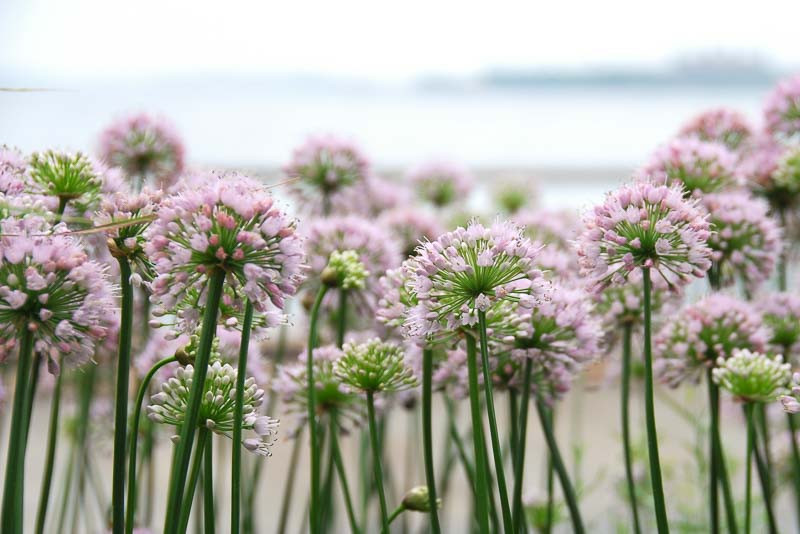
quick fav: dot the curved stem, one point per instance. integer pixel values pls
(52, 437)
(13, 490)
(339, 463)
(713, 474)
(558, 465)
(748, 409)
(499, 467)
(311, 393)
(481, 486)
(208, 487)
(397, 511)
(238, 410)
(427, 435)
(719, 457)
(376, 461)
(627, 334)
(134, 439)
(650, 413)
(121, 401)
(191, 484)
(187, 430)
(519, 466)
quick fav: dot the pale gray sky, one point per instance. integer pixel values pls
(375, 39)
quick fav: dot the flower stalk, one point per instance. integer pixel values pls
(625, 386)
(313, 509)
(427, 435)
(238, 410)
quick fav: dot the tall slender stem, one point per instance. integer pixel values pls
(748, 409)
(13, 491)
(376, 461)
(792, 434)
(519, 466)
(763, 477)
(650, 413)
(194, 475)
(121, 401)
(718, 456)
(627, 334)
(558, 465)
(144, 386)
(497, 452)
(341, 326)
(713, 473)
(481, 486)
(427, 435)
(187, 430)
(513, 437)
(238, 410)
(288, 491)
(52, 438)
(209, 522)
(311, 393)
(339, 463)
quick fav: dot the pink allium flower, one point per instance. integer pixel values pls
(227, 222)
(146, 148)
(644, 225)
(556, 232)
(441, 183)
(712, 328)
(759, 161)
(371, 197)
(782, 108)
(49, 286)
(471, 269)
(410, 226)
(68, 177)
(395, 298)
(699, 166)
(781, 314)
(450, 373)
(746, 241)
(622, 305)
(12, 171)
(376, 248)
(326, 166)
(726, 126)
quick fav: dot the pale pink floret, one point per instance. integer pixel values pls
(699, 166)
(782, 108)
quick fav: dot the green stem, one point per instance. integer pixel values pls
(397, 511)
(288, 491)
(481, 487)
(337, 459)
(12, 514)
(376, 460)
(238, 411)
(763, 477)
(499, 467)
(36, 368)
(713, 474)
(52, 438)
(121, 402)
(208, 487)
(748, 409)
(191, 419)
(558, 465)
(341, 327)
(795, 461)
(134, 439)
(513, 438)
(191, 484)
(311, 393)
(627, 334)
(518, 515)
(783, 259)
(427, 435)
(650, 413)
(550, 486)
(718, 456)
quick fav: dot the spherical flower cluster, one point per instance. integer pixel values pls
(49, 286)
(217, 407)
(712, 328)
(790, 403)
(12, 171)
(395, 299)
(410, 226)
(441, 183)
(782, 108)
(326, 166)
(753, 376)
(723, 125)
(344, 271)
(699, 166)
(228, 223)
(512, 197)
(758, 164)
(746, 241)
(145, 148)
(784, 189)
(644, 225)
(470, 270)
(373, 367)
(781, 315)
(371, 197)
(68, 177)
(621, 306)
(556, 231)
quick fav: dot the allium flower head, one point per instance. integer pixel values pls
(217, 407)
(781, 314)
(441, 183)
(701, 334)
(622, 305)
(396, 298)
(726, 126)
(555, 231)
(759, 163)
(418, 500)
(345, 271)
(145, 147)
(746, 241)
(229, 223)
(644, 225)
(471, 269)
(753, 376)
(790, 403)
(48, 285)
(784, 189)
(782, 108)
(698, 166)
(410, 226)
(12, 171)
(69, 177)
(326, 166)
(374, 366)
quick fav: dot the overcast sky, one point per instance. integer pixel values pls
(378, 39)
